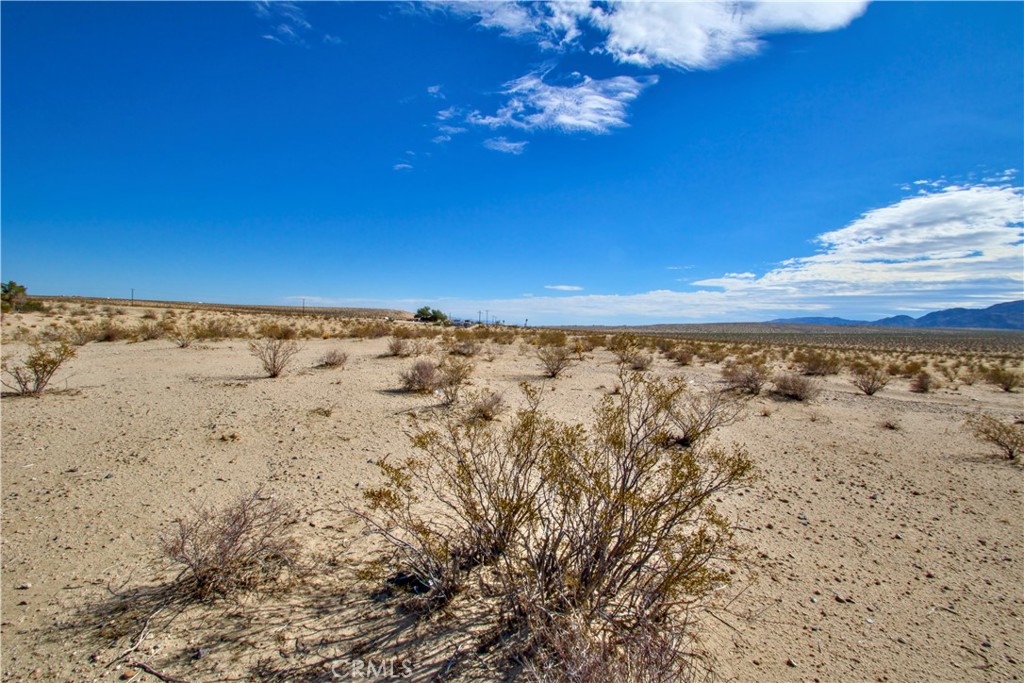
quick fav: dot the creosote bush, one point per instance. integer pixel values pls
(486, 406)
(274, 354)
(1007, 380)
(333, 359)
(32, 376)
(1007, 437)
(795, 387)
(243, 546)
(922, 383)
(869, 377)
(746, 376)
(596, 543)
(421, 377)
(555, 359)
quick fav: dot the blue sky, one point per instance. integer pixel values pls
(566, 163)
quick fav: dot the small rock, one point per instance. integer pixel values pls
(901, 641)
(791, 662)
(129, 674)
(24, 586)
(985, 643)
(898, 537)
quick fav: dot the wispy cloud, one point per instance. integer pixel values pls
(288, 21)
(435, 91)
(564, 288)
(591, 105)
(403, 166)
(500, 144)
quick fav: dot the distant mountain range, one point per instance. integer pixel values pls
(1005, 316)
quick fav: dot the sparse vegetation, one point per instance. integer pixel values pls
(245, 545)
(32, 377)
(922, 383)
(1007, 380)
(749, 376)
(274, 354)
(869, 377)
(599, 544)
(421, 377)
(333, 359)
(1008, 437)
(486, 406)
(795, 387)
(555, 359)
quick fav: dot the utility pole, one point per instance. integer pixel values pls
(526, 323)
(133, 296)
(303, 307)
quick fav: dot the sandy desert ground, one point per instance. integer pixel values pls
(882, 541)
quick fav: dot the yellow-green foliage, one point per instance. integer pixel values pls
(612, 527)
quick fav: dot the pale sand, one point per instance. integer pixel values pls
(918, 530)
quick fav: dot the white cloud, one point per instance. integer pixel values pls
(402, 167)
(500, 144)
(435, 91)
(957, 246)
(929, 246)
(592, 105)
(564, 288)
(678, 34)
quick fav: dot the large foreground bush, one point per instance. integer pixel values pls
(592, 547)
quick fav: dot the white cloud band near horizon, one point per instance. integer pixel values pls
(961, 245)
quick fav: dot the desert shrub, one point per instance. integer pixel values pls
(452, 374)
(869, 377)
(32, 376)
(275, 330)
(555, 359)
(817, 363)
(463, 347)
(109, 331)
(486, 406)
(1008, 437)
(274, 354)
(586, 543)
(697, 413)
(333, 359)
(149, 314)
(1007, 380)
(421, 377)
(682, 354)
(550, 338)
(183, 335)
(713, 353)
(795, 387)
(399, 347)
(147, 331)
(922, 383)
(213, 329)
(373, 329)
(749, 376)
(243, 546)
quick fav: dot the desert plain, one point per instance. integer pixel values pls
(880, 540)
